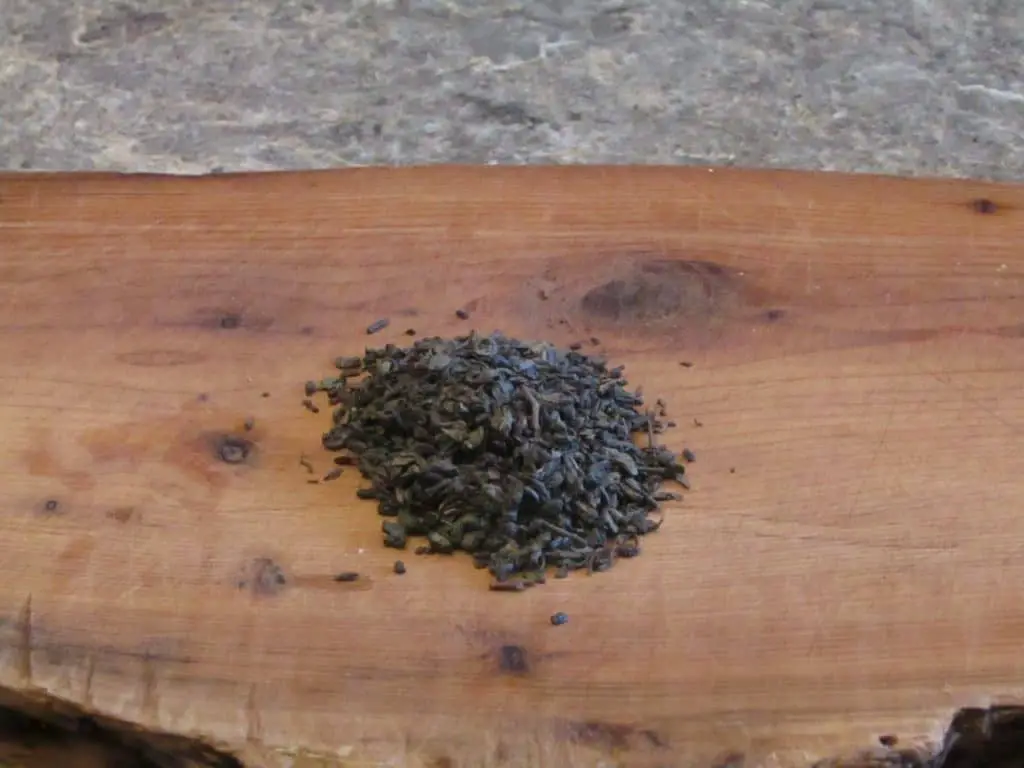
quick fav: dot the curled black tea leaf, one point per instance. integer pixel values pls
(377, 325)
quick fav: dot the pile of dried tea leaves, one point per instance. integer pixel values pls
(521, 454)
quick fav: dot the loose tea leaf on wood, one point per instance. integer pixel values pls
(519, 453)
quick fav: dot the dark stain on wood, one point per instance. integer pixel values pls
(263, 577)
(774, 315)
(221, 319)
(660, 289)
(621, 736)
(51, 507)
(501, 752)
(231, 448)
(984, 206)
(512, 660)
(121, 514)
(653, 738)
(1009, 331)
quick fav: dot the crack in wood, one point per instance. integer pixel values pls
(25, 642)
(254, 727)
(36, 728)
(90, 671)
(149, 707)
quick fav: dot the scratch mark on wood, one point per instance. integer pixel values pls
(254, 727)
(25, 642)
(90, 670)
(150, 703)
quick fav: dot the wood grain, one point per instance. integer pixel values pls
(847, 565)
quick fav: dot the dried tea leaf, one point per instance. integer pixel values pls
(519, 453)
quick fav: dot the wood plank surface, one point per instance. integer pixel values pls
(848, 563)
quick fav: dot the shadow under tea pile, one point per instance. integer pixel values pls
(519, 453)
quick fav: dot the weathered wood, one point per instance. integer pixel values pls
(847, 564)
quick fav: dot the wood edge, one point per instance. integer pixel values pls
(510, 171)
(34, 722)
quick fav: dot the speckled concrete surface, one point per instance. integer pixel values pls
(896, 86)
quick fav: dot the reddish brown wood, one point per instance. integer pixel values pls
(847, 565)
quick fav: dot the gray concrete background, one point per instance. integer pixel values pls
(896, 86)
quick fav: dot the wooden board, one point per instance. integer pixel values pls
(848, 563)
